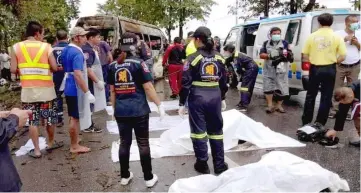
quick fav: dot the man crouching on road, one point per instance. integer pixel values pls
(347, 97)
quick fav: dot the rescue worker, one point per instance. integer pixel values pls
(204, 86)
(130, 83)
(246, 70)
(277, 55)
(36, 64)
(190, 47)
(75, 85)
(58, 76)
(347, 97)
(172, 59)
(95, 74)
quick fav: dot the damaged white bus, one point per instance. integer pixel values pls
(112, 27)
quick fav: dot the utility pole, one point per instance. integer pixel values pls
(266, 11)
(236, 12)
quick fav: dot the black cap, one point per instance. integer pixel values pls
(202, 32)
(128, 42)
(190, 34)
(229, 47)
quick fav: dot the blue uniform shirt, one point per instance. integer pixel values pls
(128, 79)
(58, 75)
(90, 58)
(73, 59)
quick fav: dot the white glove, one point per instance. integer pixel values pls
(182, 111)
(100, 84)
(224, 105)
(90, 96)
(239, 85)
(161, 111)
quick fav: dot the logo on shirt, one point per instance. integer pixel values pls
(186, 66)
(124, 83)
(145, 67)
(209, 72)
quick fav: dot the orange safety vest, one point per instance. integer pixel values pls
(33, 64)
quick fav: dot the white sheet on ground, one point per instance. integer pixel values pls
(168, 105)
(177, 142)
(29, 146)
(154, 124)
(277, 171)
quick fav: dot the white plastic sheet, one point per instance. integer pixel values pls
(277, 171)
(29, 146)
(154, 124)
(177, 142)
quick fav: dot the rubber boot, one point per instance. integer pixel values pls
(202, 167)
(221, 169)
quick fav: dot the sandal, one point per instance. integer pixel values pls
(33, 155)
(56, 145)
(270, 110)
(280, 110)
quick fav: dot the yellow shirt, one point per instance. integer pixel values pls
(324, 46)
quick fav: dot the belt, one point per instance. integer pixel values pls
(350, 65)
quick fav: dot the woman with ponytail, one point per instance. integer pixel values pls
(130, 82)
(204, 87)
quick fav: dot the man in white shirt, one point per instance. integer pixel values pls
(5, 64)
(350, 67)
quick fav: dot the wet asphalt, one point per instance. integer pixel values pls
(59, 171)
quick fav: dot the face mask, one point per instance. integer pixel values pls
(276, 38)
(354, 26)
(227, 54)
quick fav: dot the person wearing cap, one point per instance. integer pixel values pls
(130, 83)
(62, 42)
(75, 85)
(95, 75)
(204, 87)
(190, 47)
(36, 64)
(246, 70)
(277, 55)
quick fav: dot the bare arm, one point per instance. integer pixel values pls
(14, 62)
(110, 57)
(52, 62)
(92, 75)
(150, 91)
(340, 59)
(78, 76)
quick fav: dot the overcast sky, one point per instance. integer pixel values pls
(219, 20)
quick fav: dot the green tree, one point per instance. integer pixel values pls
(356, 4)
(8, 27)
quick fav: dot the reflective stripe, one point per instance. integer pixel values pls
(196, 60)
(35, 77)
(236, 53)
(34, 65)
(205, 84)
(216, 137)
(220, 58)
(25, 53)
(243, 89)
(198, 136)
(39, 54)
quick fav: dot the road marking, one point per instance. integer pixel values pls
(231, 163)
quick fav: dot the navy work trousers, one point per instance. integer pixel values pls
(248, 81)
(58, 79)
(321, 78)
(206, 121)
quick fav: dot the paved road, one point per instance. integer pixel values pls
(95, 171)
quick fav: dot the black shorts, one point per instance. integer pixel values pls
(72, 103)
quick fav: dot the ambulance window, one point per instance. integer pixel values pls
(155, 42)
(146, 39)
(291, 32)
(232, 37)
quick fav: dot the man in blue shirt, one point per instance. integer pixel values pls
(106, 58)
(76, 90)
(58, 76)
(92, 59)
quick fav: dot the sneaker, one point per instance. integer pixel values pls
(349, 118)
(355, 143)
(173, 96)
(242, 108)
(202, 167)
(222, 169)
(93, 129)
(152, 182)
(332, 115)
(125, 181)
(329, 143)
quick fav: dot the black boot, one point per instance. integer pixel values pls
(221, 169)
(202, 167)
